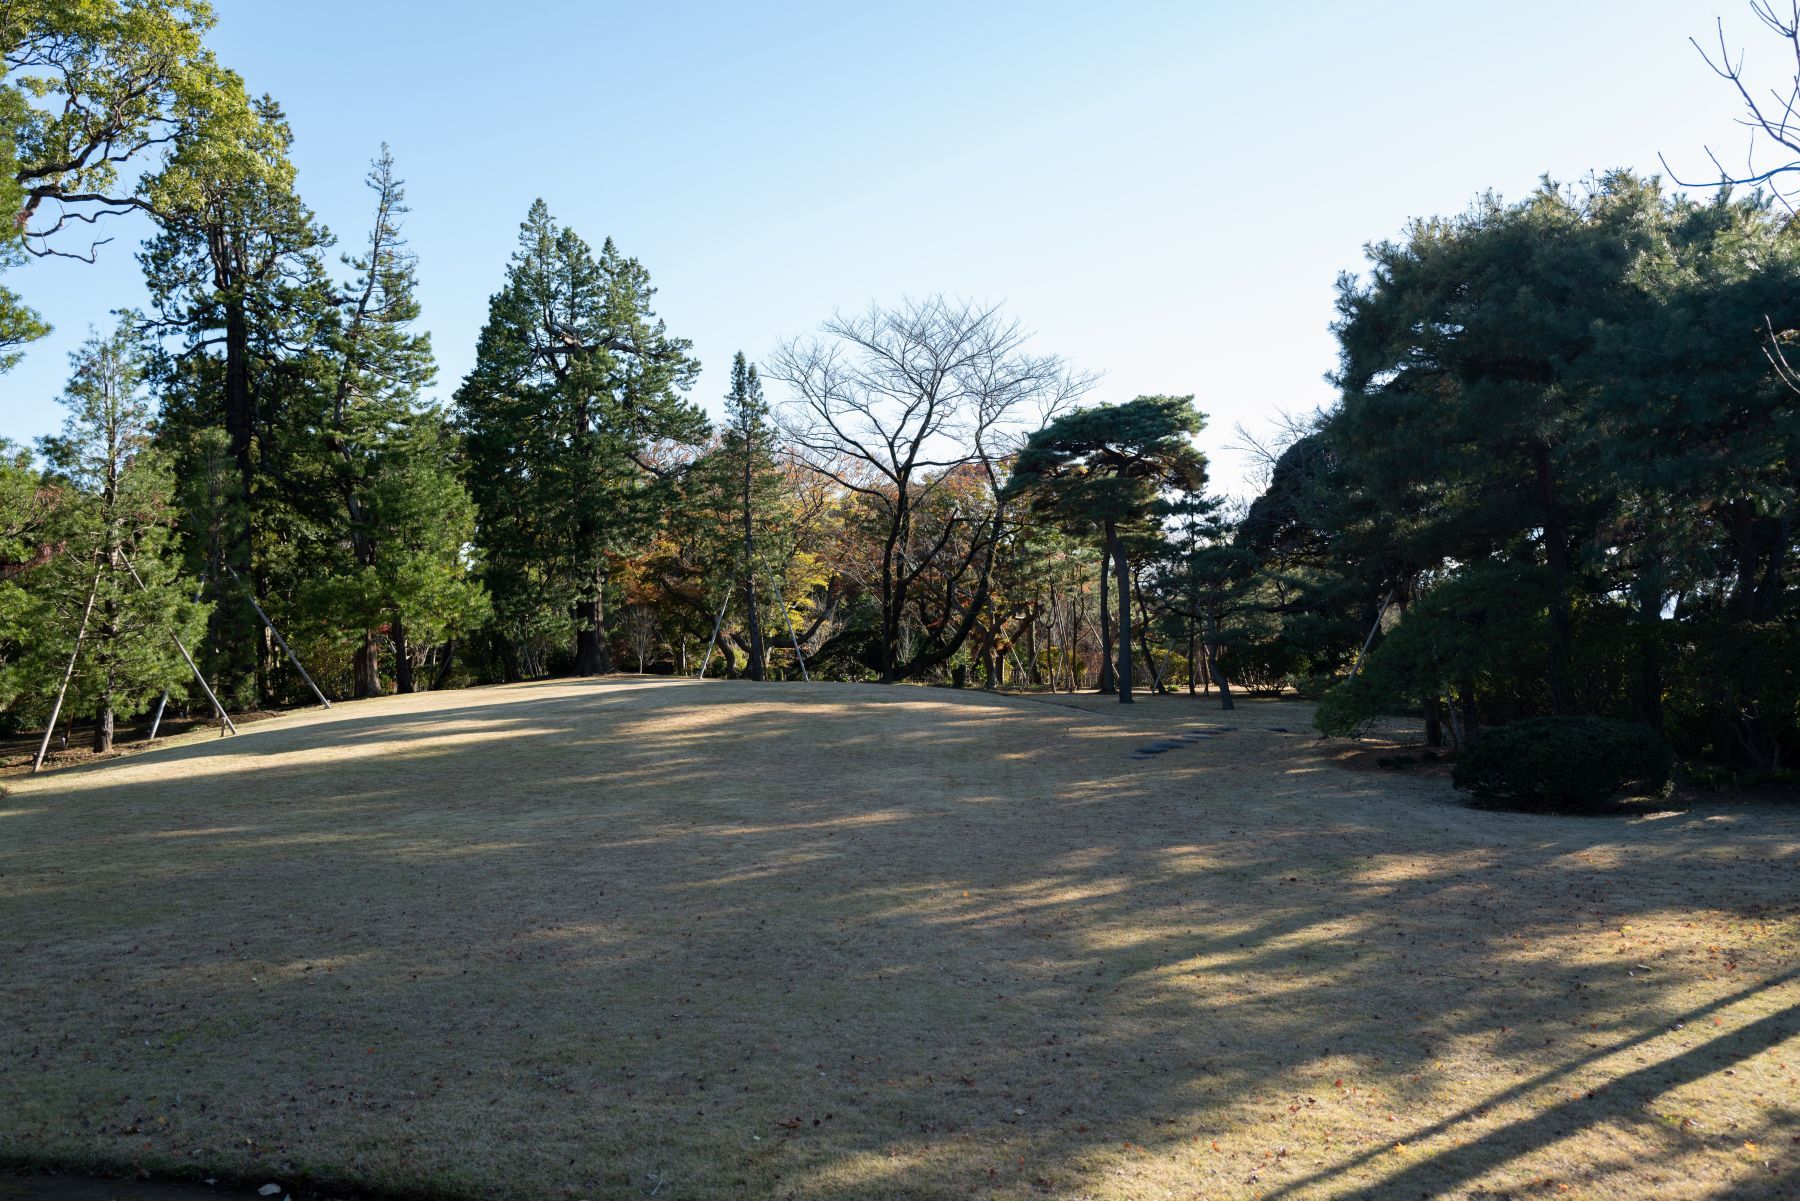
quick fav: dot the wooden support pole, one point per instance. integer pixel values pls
(718, 623)
(792, 636)
(1362, 654)
(225, 722)
(285, 648)
(87, 612)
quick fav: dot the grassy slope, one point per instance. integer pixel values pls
(614, 939)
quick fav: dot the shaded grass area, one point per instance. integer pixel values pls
(625, 939)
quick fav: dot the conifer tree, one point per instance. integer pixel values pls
(237, 285)
(28, 505)
(119, 561)
(406, 514)
(575, 381)
(1104, 467)
(746, 442)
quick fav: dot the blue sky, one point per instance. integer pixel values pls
(1165, 193)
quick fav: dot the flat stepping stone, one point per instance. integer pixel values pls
(1185, 738)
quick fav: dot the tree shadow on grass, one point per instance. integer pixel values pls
(791, 940)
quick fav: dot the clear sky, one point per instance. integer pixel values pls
(1165, 193)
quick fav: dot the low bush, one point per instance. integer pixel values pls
(1565, 764)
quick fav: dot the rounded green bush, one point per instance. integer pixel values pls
(1569, 764)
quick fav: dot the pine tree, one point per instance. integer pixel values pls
(119, 564)
(419, 523)
(405, 512)
(28, 508)
(746, 446)
(575, 380)
(236, 281)
(1104, 467)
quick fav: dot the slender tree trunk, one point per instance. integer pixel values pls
(1212, 665)
(1143, 632)
(1108, 682)
(367, 667)
(1193, 672)
(1034, 673)
(1471, 716)
(893, 589)
(752, 619)
(403, 663)
(1122, 571)
(107, 640)
(1434, 722)
(235, 632)
(446, 657)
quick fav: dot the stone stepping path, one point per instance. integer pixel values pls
(1151, 749)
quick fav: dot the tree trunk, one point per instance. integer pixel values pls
(446, 657)
(236, 632)
(1471, 716)
(752, 619)
(403, 664)
(1123, 574)
(367, 667)
(108, 636)
(1212, 667)
(1193, 667)
(593, 657)
(1107, 679)
(1074, 646)
(1434, 722)
(1143, 633)
(753, 669)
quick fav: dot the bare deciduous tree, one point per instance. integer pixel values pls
(640, 625)
(900, 407)
(1775, 118)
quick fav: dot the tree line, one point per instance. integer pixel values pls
(1559, 478)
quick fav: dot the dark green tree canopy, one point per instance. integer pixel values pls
(1111, 462)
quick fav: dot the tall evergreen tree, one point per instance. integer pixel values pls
(404, 508)
(575, 381)
(238, 287)
(747, 440)
(28, 543)
(119, 565)
(736, 492)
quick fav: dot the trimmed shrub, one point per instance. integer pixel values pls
(1565, 764)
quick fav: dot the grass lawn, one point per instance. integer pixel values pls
(640, 938)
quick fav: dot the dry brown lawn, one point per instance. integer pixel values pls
(637, 938)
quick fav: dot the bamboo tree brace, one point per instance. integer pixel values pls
(224, 717)
(69, 671)
(286, 649)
